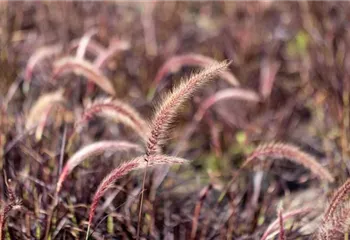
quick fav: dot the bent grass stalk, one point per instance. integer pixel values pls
(38, 56)
(292, 153)
(114, 47)
(275, 224)
(84, 68)
(84, 42)
(92, 47)
(93, 150)
(230, 93)
(177, 62)
(42, 107)
(42, 123)
(117, 111)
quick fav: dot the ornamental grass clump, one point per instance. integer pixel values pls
(159, 131)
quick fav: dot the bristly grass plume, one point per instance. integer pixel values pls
(125, 168)
(338, 198)
(115, 46)
(292, 153)
(6, 207)
(172, 102)
(118, 111)
(336, 220)
(42, 106)
(84, 68)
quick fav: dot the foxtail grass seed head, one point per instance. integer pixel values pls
(117, 111)
(172, 103)
(125, 168)
(288, 151)
(84, 68)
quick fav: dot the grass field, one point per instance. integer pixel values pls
(174, 120)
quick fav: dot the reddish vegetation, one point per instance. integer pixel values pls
(134, 87)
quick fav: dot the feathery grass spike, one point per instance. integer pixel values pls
(83, 67)
(114, 47)
(6, 207)
(337, 200)
(42, 123)
(173, 101)
(336, 227)
(117, 111)
(336, 220)
(93, 150)
(92, 47)
(290, 152)
(274, 225)
(125, 168)
(41, 106)
(38, 56)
